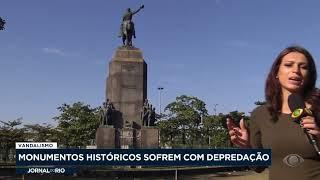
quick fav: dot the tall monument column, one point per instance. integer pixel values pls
(126, 91)
(127, 86)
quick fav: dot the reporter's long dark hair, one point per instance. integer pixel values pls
(313, 98)
(273, 93)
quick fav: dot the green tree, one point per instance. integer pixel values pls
(77, 124)
(10, 133)
(41, 133)
(216, 134)
(2, 23)
(183, 120)
(259, 103)
(167, 132)
(182, 127)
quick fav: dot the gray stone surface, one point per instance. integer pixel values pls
(105, 137)
(127, 138)
(127, 85)
(148, 137)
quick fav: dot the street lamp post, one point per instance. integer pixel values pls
(160, 89)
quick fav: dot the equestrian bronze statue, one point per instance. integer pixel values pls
(127, 30)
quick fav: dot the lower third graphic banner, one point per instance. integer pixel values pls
(141, 157)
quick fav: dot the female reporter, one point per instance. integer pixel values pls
(271, 125)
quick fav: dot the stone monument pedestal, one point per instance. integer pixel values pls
(127, 138)
(126, 88)
(149, 138)
(105, 137)
(127, 85)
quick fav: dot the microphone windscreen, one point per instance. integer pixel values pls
(295, 101)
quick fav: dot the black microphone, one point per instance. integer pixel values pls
(299, 110)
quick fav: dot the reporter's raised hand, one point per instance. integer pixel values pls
(239, 135)
(309, 124)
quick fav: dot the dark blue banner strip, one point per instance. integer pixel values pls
(151, 157)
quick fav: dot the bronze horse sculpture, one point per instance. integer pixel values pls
(127, 30)
(127, 33)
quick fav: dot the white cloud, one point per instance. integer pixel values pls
(58, 52)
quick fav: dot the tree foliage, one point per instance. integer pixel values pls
(182, 125)
(188, 124)
(259, 103)
(77, 124)
(2, 23)
(215, 133)
(10, 133)
(41, 133)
